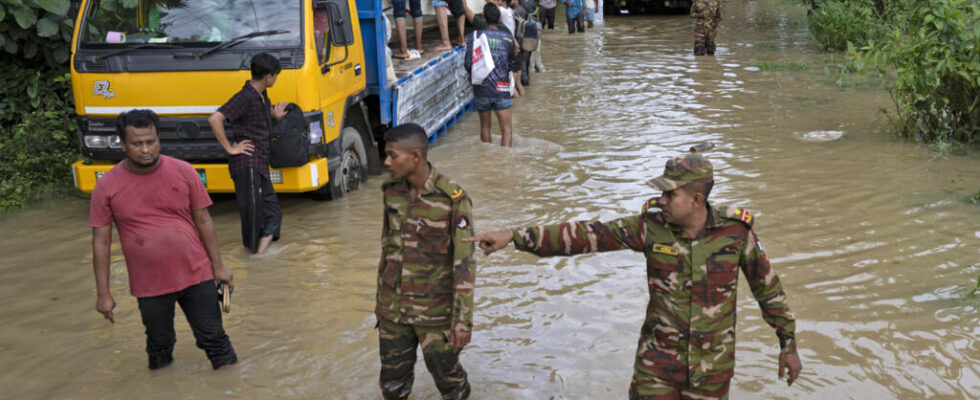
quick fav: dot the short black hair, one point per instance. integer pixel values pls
(265, 64)
(702, 186)
(410, 134)
(137, 119)
(491, 14)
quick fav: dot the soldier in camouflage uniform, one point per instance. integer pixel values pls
(693, 254)
(707, 15)
(426, 273)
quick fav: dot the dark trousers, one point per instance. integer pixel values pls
(576, 23)
(524, 60)
(548, 17)
(258, 206)
(200, 306)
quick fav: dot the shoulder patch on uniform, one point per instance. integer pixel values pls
(462, 222)
(740, 214)
(457, 193)
(450, 188)
(651, 204)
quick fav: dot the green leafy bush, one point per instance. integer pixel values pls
(36, 30)
(934, 52)
(838, 22)
(37, 140)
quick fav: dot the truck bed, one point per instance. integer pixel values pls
(434, 90)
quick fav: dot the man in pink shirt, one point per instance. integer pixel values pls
(159, 206)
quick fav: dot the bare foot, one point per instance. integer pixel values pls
(459, 42)
(263, 244)
(442, 47)
(400, 55)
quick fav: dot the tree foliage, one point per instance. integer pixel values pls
(928, 49)
(934, 51)
(36, 30)
(37, 144)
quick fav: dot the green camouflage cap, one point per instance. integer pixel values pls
(682, 170)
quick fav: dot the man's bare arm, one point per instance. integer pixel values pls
(101, 242)
(205, 227)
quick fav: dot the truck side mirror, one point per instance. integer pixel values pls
(341, 33)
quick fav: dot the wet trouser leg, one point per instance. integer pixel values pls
(524, 60)
(700, 33)
(653, 388)
(157, 313)
(200, 306)
(397, 344)
(548, 17)
(710, 32)
(258, 206)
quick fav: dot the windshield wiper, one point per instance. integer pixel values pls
(137, 47)
(238, 40)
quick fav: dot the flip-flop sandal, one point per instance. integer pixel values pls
(401, 57)
(225, 297)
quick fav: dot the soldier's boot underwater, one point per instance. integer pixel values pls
(709, 47)
(700, 50)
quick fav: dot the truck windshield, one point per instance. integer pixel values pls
(189, 23)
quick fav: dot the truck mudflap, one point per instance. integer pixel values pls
(217, 179)
(434, 95)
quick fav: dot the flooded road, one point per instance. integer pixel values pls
(874, 239)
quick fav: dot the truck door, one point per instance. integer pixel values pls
(338, 78)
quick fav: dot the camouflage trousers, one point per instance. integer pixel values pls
(398, 344)
(654, 388)
(707, 15)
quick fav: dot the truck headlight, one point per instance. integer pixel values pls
(97, 141)
(275, 177)
(316, 132)
(113, 142)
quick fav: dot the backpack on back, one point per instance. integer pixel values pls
(289, 141)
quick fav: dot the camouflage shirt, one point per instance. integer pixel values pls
(689, 332)
(426, 273)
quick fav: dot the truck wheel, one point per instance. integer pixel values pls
(353, 167)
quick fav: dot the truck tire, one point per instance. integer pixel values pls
(353, 167)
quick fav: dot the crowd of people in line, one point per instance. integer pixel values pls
(513, 29)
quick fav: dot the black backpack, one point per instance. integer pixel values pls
(290, 142)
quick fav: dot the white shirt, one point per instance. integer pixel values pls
(507, 19)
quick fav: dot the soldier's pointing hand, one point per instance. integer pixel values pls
(491, 242)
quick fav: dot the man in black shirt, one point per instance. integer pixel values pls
(251, 113)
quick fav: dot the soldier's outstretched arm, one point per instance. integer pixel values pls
(568, 238)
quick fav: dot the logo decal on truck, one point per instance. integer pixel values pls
(330, 121)
(101, 88)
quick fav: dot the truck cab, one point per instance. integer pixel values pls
(184, 59)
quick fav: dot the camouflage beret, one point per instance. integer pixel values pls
(682, 170)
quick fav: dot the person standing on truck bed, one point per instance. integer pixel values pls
(494, 93)
(160, 208)
(398, 10)
(426, 272)
(694, 252)
(250, 114)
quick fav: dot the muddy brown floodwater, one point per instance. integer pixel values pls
(873, 237)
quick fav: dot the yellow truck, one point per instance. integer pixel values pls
(184, 58)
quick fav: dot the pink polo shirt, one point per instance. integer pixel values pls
(153, 215)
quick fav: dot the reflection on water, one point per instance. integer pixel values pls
(873, 238)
